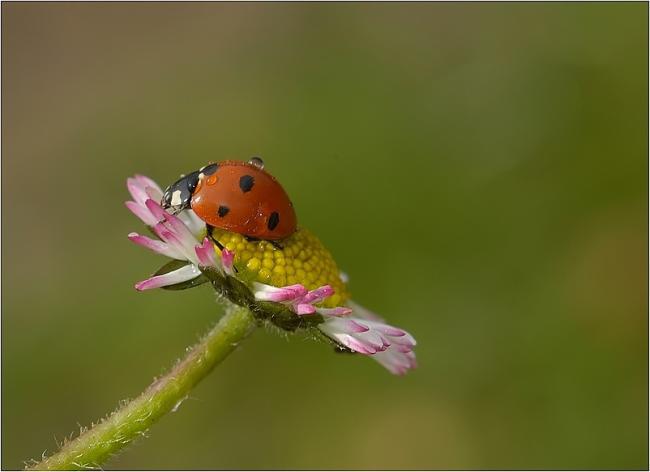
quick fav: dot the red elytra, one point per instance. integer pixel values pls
(243, 198)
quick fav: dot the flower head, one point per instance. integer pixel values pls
(299, 274)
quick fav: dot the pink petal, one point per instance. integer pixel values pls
(355, 326)
(155, 209)
(184, 241)
(396, 362)
(390, 330)
(319, 294)
(178, 226)
(344, 325)
(153, 193)
(168, 236)
(374, 339)
(142, 212)
(152, 189)
(304, 309)
(156, 246)
(371, 336)
(279, 294)
(183, 274)
(402, 349)
(193, 222)
(356, 344)
(227, 259)
(406, 340)
(395, 353)
(175, 225)
(136, 190)
(337, 311)
(205, 253)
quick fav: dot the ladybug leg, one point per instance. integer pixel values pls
(209, 229)
(275, 244)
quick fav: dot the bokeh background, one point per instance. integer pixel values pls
(479, 170)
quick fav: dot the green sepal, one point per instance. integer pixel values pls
(174, 265)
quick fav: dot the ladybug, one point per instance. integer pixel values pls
(236, 196)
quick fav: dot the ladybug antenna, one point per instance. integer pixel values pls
(257, 162)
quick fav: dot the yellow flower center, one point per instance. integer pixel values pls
(302, 260)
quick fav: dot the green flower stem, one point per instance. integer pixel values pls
(133, 419)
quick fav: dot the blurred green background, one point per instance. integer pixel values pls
(479, 170)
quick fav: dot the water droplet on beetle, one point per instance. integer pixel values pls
(257, 162)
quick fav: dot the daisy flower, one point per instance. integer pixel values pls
(301, 277)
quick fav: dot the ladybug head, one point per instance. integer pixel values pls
(179, 194)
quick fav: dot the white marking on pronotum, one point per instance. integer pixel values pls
(201, 175)
(176, 198)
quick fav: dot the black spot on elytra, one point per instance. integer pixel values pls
(246, 183)
(210, 169)
(274, 219)
(222, 211)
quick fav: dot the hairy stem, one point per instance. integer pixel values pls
(131, 421)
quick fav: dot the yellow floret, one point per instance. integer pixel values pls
(267, 262)
(253, 264)
(302, 260)
(264, 275)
